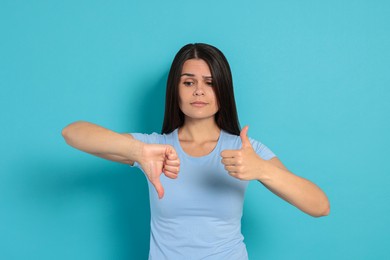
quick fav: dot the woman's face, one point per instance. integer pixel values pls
(197, 98)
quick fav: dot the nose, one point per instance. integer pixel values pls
(199, 90)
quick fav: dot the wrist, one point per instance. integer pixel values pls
(134, 150)
(264, 170)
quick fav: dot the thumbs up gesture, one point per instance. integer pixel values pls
(157, 159)
(243, 164)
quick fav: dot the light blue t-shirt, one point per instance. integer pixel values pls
(199, 216)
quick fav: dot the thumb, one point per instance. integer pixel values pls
(159, 188)
(171, 152)
(244, 137)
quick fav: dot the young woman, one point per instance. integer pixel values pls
(199, 167)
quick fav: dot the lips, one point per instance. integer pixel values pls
(198, 103)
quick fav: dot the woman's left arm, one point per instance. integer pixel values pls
(245, 164)
(298, 191)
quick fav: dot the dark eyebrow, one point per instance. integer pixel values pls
(187, 74)
(193, 75)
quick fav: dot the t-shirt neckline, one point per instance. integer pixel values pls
(211, 154)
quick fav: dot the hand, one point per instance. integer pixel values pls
(243, 164)
(157, 159)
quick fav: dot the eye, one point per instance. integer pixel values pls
(209, 83)
(188, 83)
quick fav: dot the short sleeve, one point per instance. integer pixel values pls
(262, 150)
(153, 138)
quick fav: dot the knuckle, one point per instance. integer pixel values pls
(241, 176)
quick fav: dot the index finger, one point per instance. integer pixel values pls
(173, 156)
(171, 152)
(229, 153)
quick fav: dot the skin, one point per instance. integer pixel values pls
(154, 159)
(199, 134)
(245, 164)
(198, 137)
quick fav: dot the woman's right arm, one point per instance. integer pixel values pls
(154, 159)
(102, 142)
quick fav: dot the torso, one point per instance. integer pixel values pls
(200, 214)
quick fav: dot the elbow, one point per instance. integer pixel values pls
(323, 211)
(69, 129)
(65, 133)
(326, 212)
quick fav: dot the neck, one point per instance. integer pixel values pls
(199, 130)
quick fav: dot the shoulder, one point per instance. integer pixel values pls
(234, 142)
(153, 138)
(231, 140)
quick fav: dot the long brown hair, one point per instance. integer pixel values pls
(226, 118)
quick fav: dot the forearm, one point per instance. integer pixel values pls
(298, 191)
(102, 142)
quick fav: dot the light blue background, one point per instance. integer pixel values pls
(311, 80)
